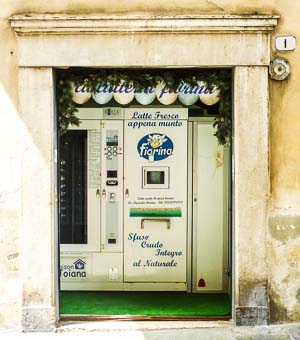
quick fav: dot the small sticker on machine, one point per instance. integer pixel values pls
(155, 212)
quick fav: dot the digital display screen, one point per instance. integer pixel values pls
(112, 138)
(155, 177)
(112, 143)
(112, 174)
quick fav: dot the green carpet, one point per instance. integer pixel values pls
(144, 303)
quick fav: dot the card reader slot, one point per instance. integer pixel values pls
(166, 220)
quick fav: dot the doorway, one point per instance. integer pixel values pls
(129, 224)
(250, 75)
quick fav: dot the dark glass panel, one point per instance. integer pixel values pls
(73, 187)
(155, 177)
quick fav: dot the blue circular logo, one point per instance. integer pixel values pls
(155, 147)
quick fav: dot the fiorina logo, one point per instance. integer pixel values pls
(155, 147)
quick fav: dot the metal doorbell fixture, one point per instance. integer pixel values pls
(279, 69)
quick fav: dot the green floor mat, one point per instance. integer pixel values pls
(144, 303)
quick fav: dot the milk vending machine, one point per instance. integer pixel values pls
(123, 200)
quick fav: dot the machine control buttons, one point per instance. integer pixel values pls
(98, 193)
(103, 193)
(112, 151)
(112, 197)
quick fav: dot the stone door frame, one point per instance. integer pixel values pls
(57, 41)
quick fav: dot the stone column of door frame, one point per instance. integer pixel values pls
(251, 194)
(36, 98)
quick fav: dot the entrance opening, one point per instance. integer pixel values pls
(145, 193)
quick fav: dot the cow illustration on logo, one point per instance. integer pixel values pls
(155, 147)
(156, 140)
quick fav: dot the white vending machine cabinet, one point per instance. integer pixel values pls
(132, 200)
(91, 202)
(124, 224)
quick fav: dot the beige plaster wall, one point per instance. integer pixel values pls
(284, 226)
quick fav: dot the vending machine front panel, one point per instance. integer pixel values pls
(155, 202)
(112, 186)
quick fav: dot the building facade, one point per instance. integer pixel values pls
(40, 39)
